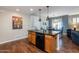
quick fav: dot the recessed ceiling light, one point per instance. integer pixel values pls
(31, 9)
(17, 9)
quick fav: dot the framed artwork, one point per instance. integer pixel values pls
(17, 22)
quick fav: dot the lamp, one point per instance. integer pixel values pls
(75, 27)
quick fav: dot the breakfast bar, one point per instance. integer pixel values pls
(46, 41)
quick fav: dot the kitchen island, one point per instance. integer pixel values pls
(46, 41)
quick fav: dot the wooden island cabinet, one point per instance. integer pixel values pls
(50, 41)
(32, 37)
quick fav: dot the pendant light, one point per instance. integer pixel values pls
(47, 18)
(40, 15)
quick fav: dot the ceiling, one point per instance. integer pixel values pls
(23, 9)
(53, 10)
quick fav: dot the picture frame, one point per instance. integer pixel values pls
(17, 22)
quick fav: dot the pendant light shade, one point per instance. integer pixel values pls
(47, 18)
(40, 15)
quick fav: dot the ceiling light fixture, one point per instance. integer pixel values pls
(17, 9)
(31, 9)
(47, 18)
(40, 15)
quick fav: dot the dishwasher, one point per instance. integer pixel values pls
(40, 40)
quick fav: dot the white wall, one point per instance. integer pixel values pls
(36, 24)
(6, 31)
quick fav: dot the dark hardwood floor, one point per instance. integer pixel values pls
(68, 46)
(24, 46)
(19, 46)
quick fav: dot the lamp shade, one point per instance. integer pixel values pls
(40, 19)
(40, 15)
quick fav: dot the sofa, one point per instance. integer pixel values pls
(73, 35)
(69, 33)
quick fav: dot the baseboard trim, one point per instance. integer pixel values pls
(14, 40)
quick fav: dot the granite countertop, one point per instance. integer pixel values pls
(46, 32)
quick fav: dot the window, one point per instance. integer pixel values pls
(74, 20)
(77, 19)
(57, 23)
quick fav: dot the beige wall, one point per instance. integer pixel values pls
(6, 31)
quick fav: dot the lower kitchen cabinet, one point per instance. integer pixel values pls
(50, 43)
(29, 36)
(32, 37)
